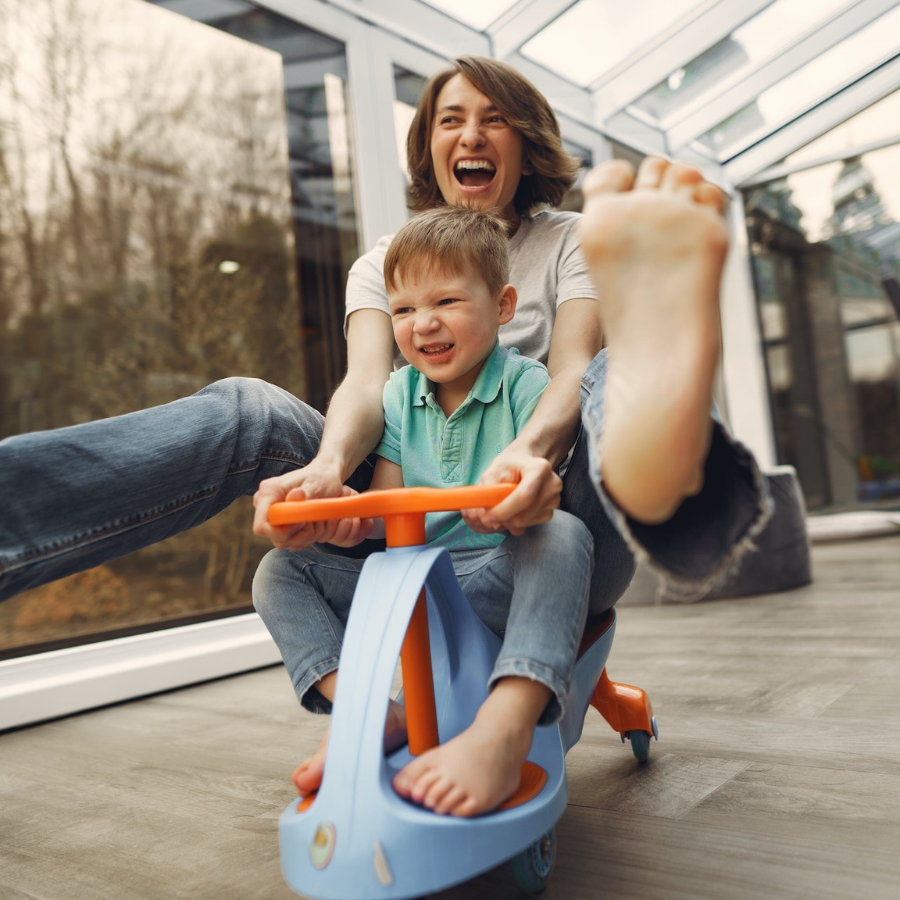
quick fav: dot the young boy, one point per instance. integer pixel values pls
(447, 414)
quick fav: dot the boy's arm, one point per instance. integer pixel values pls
(533, 457)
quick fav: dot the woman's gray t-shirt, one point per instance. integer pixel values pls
(546, 269)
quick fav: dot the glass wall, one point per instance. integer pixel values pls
(176, 206)
(825, 241)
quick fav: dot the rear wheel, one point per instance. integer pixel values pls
(532, 867)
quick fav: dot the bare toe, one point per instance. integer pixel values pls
(651, 173)
(450, 801)
(615, 176)
(681, 180)
(709, 195)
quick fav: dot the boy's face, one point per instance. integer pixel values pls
(446, 324)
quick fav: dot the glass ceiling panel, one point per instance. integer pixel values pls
(878, 122)
(770, 31)
(476, 13)
(807, 87)
(593, 36)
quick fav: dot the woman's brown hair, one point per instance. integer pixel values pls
(526, 109)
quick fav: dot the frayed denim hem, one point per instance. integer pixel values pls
(710, 534)
(527, 668)
(308, 695)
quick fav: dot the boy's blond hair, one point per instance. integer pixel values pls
(454, 240)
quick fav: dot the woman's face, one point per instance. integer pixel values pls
(477, 155)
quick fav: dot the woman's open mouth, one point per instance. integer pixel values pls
(474, 173)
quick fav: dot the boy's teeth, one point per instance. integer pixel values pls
(440, 349)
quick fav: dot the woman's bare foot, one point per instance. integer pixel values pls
(307, 776)
(479, 769)
(655, 244)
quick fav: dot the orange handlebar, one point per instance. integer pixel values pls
(388, 503)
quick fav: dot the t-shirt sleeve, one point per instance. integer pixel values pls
(365, 282)
(574, 280)
(389, 446)
(526, 391)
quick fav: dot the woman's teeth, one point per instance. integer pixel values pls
(474, 172)
(475, 164)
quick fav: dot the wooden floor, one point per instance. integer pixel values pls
(777, 773)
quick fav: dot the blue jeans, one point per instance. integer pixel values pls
(532, 591)
(76, 497)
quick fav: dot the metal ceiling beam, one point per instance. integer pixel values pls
(206, 10)
(522, 22)
(415, 22)
(744, 167)
(704, 114)
(671, 50)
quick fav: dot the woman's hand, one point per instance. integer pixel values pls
(313, 481)
(531, 503)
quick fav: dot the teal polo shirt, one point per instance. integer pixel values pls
(436, 451)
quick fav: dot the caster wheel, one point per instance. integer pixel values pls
(640, 745)
(640, 741)
(532, 867)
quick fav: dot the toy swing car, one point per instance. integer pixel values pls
(356, 838)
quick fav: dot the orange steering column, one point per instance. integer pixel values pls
(406, 530)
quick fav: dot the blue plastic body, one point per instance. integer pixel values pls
(360, 840)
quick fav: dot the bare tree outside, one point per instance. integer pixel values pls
(146, 250)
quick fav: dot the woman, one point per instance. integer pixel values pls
(483, 135)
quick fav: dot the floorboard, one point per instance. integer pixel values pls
(777, 772)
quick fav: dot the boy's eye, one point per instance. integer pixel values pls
(402, 310)
(446, 301)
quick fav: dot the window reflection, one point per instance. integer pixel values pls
(175, 207)
(408, 87)
(826, 258)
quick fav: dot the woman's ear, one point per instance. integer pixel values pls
(527, 167)
(508, 299)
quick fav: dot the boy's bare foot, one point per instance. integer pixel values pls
(479, 769)
(655, 244)
(307, 776)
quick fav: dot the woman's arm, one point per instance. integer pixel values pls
(533, 457)
(350, 532)
(353, 426)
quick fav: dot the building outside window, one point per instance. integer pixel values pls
(825, 242)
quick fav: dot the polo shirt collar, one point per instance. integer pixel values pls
(485, 389)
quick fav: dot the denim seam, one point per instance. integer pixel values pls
(124, 525)
(249, 466)
(91, 537)
(308, 578)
